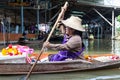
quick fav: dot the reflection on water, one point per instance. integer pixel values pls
(98, 45)
(116, 46)
(106, 77)
(92, 47)
(112, 74)
(102, 46)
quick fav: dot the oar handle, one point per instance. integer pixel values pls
(59, 17)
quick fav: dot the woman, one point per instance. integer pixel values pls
(72, 46)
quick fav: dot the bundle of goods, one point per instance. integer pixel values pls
(13, 50)
(15, 54)
(103, 57)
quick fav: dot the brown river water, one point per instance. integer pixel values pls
(92, 47)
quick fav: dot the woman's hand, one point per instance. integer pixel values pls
(46, 44)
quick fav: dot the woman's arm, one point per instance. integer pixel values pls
(62, 29)
(60, 26)
(73, 44)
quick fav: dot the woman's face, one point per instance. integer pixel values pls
(69, 31)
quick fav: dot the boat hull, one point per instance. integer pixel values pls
(55, 67)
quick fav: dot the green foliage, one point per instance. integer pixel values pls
(118, 18)
(118, 29)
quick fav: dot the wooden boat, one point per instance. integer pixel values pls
(55, 67)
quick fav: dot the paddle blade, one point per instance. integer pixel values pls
(23, 78)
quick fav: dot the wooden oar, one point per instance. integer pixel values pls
(42, 50)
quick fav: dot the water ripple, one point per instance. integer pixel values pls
(106, 77)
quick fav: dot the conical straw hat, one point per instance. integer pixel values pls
(74, 23)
